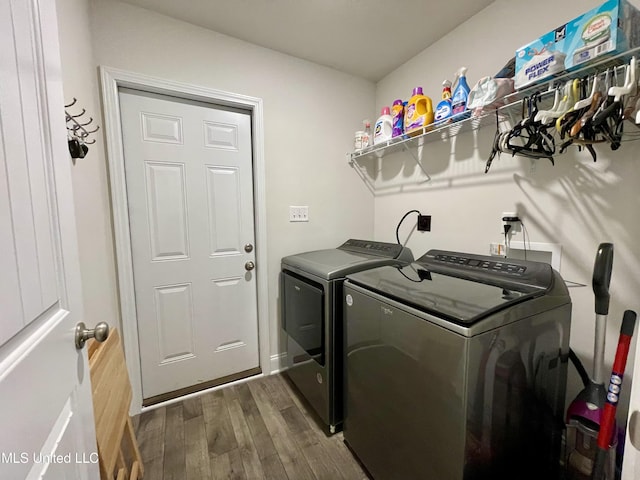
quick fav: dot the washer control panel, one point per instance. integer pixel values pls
(488, 269)
(489, 265)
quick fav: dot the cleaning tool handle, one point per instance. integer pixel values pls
(607, 423)
(602, 277)
(628, 324)
(598, 464)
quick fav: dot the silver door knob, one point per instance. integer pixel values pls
(100, 333)
(634, 429)
(249, 266)
(248, 248)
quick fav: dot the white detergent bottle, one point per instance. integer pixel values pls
(383, 130)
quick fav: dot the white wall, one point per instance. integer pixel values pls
(90, 185)
(310, 114)
(577, 203)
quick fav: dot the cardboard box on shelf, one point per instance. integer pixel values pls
(608, 29)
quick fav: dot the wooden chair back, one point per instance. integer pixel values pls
(111, 400)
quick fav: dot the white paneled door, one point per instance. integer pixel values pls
(189, 182)
(46, 418)
(631, 463)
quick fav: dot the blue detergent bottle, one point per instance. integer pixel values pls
(443, 110)
(460, 97)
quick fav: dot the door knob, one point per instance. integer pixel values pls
(634, 429)
(100, 333)
(248, 248)
(249, 266)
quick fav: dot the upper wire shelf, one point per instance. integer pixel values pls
(431, 133)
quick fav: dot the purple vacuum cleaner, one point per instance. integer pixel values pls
(584, 415)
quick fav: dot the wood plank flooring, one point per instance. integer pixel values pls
(260, 429)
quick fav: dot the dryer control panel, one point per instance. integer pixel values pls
(369, 247)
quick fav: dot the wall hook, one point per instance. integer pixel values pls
(78, 135)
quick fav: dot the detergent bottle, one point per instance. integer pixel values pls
(397, 113)
(459, 109)
(384, 126)
(419, 113)
(443, 110)
(367, 139)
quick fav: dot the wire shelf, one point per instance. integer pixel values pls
(432, 133)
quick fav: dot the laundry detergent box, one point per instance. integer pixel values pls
(608, 29)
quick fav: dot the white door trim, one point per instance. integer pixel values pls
(111, 80)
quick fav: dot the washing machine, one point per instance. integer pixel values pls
(311, 312)
(456, 368)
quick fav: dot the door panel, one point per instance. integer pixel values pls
(10, 297)
(223, 202)
(190, 193)
(631, 461)
(176, 338)
(25, 170)
(36, 434)
(221, 135)
(45, 392)
(166, 204)
(161, 128)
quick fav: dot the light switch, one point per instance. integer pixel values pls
(298, 213)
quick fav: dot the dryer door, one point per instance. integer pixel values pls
(303, 315)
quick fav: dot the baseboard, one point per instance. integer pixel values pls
(278, 362)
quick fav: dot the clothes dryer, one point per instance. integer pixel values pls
(311, 303)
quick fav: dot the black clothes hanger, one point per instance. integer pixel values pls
(496, 145)
(537, 141)
(529, 138)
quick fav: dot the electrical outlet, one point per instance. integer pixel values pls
(424, 223)
(510, 217)
(298, 213)
(497, 249)
(513, 220)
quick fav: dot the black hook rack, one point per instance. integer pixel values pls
(77, 133)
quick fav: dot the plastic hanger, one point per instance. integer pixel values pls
(543, 115)
(596, 101)
(537, 142)
(608, 121)
(630, 82)
(496, 145)
(575, 94)
(569, 119)
(632, 104)
(607, 85)
(586, 102)
(572, 118)
(564, 104)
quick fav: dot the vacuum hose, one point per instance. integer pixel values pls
(584, 376)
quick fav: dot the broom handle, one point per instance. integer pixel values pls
(607, 424)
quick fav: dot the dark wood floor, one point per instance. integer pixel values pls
(256, 430)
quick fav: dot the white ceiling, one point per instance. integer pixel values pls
(367, 38)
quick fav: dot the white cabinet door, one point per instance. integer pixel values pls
(45, 392)
(631, 463)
